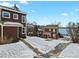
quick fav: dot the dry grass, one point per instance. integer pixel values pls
(54, 53)
(6, 40)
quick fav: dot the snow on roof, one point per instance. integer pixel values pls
(42, 45)
(16, 50)
(71, 51)
(13, 24)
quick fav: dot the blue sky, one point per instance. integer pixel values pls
(48, 12)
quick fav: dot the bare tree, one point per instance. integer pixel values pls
(74, 31)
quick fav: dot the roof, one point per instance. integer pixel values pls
(11, 9)
(51, 26)
(14, 24)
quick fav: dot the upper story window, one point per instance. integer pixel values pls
(23, 19)
(6, 14)
(46, 30)
(15, 16)
(50, 29)
(54, 30)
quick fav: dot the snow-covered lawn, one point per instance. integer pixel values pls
(54, 43)
(71, 51)
(42, 45)
(16, 50)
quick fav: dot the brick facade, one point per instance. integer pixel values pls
(50, 31)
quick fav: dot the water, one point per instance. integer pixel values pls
(63, 31)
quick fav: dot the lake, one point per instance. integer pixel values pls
(63, 31)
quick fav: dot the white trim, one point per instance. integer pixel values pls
(5, 12)
(1, 31)
(54, 35)
(54, 30)
(0, 14)
(16, 16)
(2, 26)
(13, 24)
(49, 29)
(23, 20)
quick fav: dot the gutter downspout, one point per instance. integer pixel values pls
(1, 27)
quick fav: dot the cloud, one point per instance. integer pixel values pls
(6, 4)
(72, 13)
(32, 11)
(77, 9)
(24, 2)
(65, 14)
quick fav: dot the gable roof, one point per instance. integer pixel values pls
(51, 26)
(11, 9)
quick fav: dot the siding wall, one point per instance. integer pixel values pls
(11, 17)
(51, 33)
(12, 30)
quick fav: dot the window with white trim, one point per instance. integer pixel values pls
(49, 29)
(23, 19)
(15, 16)
(54, 35)
(53, 30)
(5, 14)
(23, 30)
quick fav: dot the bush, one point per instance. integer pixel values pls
(74, 32)
(60, 36)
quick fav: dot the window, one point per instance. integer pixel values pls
(54, 35)
(46, 30)
(15, 16)
(53, 30)
(49, 29)
(23, 30)
(6, 14)
(23, 19)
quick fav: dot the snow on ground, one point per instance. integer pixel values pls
(16, 50)
(42, 45)
(71, 51)
(38, 43)
(56, 42)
